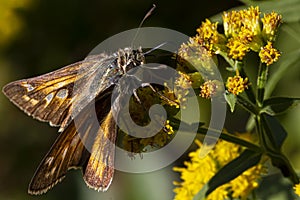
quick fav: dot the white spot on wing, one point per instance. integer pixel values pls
(60, 84)
(63, 93)
(49, 97)
(50, 173)
(53, 170)
(64, 153)
(28, 87)
(49, 160)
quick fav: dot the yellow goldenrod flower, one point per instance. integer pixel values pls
(242, 33)
(193, 56)
(226, 152)
(249, 39)
(251, 19)
(169, 98)
(245, 183)
(271, 22)
(208, 89)
(186, 49)
(183, 81)
(139, 114)
(208, 31)
(236, 49)
(245, 36)
(232, 23)
(236, 84)
(207, 35)
(169, 128)
(235, 20)
(138, 145)
(268, 54)
(196, 174)
(199, 170)
(297, 189)
(176, 96)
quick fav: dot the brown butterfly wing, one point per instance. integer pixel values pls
(83, 144)
(38, 96)
(55, 97)
(99, 171)
(67, 152)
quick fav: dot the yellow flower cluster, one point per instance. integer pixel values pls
(208, 89)
(236, 84)
(209, 37)
(200, 170)
(176, 96)
(270, 23)
(242, 33)
(139, 145)
(243, 30)
(139, 114)
(268, 54)
(297, 189)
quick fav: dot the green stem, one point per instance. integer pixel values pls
(261, 83)
(247, 105)
(277, 158)
(231, 62)
(231, 138)
(259, 128)
(249, 91)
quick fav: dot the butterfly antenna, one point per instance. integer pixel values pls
(146, 16)
(154, 48)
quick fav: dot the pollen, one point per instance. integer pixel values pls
(271, 22)
(237, 49)
(297, 189)
(236, 84)
(268, 54)
(208, 89)
(199, 170)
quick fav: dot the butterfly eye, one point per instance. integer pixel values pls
(140, 58)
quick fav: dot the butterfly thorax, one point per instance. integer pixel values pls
(128, 58)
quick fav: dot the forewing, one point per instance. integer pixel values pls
(52, 97)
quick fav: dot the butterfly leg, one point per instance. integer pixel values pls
(143, 85)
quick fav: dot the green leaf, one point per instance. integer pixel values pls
(184, 126)
(231, 138)
(230, 171)
(247, 105)
(288, 61)
(282, 163)
(274, 131)
(231, 100)
(278, 105)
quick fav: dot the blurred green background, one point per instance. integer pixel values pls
(40, 36)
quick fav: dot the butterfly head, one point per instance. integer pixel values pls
(129, 58)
